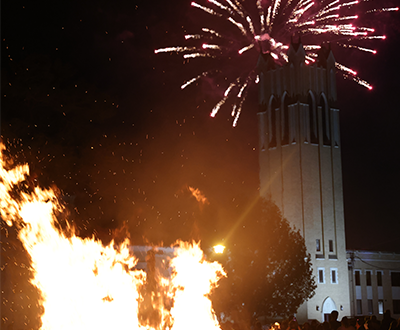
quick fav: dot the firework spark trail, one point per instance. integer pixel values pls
(211, 32)
(220, 5)
(314, 21)
(206, 9)
(187, 83)
(327, 18)
(248, 19)
(174, 49)
(310, 59)
(372, 37)
(233, 112)
(235, 8)
(352, 3)
(361, 82)
(238, 25)
(345, 69)
(210, 46)
(303, 10)
(368, 50)
(312, 47)
(328, 9)
(194, 55)
(220, 103)
(239, 110)
(193, 36)
(346, 18)
(366, 29)
(268, 20)
(373, 51)
(218, 106)
(261, 15)
(274, 11)
(382, 10)
(246, 48)
(191, 81)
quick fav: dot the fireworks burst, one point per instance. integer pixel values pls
(268, 27)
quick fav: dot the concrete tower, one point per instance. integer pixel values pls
(300, 167)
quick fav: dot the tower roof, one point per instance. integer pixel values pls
(325, 56)
(265, 62)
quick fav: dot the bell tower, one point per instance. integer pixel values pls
(300, 167)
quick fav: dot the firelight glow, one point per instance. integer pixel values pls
(219, 248)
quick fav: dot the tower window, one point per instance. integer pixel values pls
(321, 275)
(334, 276)
(380, 307)
(318, 245)
(396, 306)
(395, 278)
(368, 275)
(335, 133)
(272, 123)
(313, 120)
(330, 245)
(357, 277)
(326, 131)
(379, 278)
(285, 122)
(359, 306)
(370, 307)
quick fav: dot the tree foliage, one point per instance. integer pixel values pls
(269, 269)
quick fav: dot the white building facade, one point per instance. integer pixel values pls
(374, 283)
(300, 168)
(301, 172)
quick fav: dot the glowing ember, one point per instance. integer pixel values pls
(196, 193)
(86, 285)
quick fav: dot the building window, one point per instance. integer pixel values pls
(368, 275)
(396, 306)
(272, 122)
(357, 277)
(359, 306)
(335, 116)
(330, 245)
(370, 307)
(318, 245)
(380, 307)
(325, 123)
(321, 275)
(285, 121)
(379, 278)
(334, 276)
(313, 120)
(395, 278)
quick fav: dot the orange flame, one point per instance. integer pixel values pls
(196, 193)
(86, 285)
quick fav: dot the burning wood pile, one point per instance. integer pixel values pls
(85, 285)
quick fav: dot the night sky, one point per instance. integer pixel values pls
(92, 109)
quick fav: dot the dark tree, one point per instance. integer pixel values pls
(269, 269)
